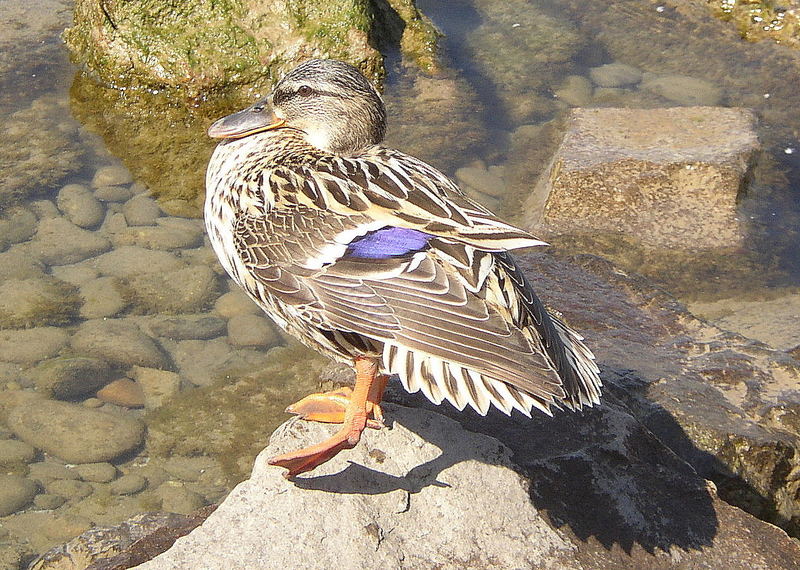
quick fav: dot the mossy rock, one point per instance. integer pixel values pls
(40, 301)
(198, 47)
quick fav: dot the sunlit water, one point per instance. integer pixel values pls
(232, 372)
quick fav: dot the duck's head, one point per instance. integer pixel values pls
(331, 102)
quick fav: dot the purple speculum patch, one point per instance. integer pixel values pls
(388, 242)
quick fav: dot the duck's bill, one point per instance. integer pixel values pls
(244, 123)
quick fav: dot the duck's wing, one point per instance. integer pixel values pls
(453, 321)
(390, 188)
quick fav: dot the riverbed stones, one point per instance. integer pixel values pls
(141, 211)
(157, 385)
(37, 301)
(71, 489)
(17, 224)
(58, 242)
(80, 206)
(46, 501)
(13, 451)
(236, 302)
(684, 90)
(200, 326)
(176, 498)
(576, 90)
(671, 177)
(122, 392)
(615, 75)
(129, 261)
(111, 175)
(102, 298)
(29, 346)
(129, 484)
(118, 342)
(74, 433)
(252, 330)
(71, 377)
(186, 290)
(96, 472)
(15, 493)
(17, 263)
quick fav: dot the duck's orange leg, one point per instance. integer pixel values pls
(329, 407)
(355, 420)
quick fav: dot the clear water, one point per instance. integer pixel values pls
(501, 79)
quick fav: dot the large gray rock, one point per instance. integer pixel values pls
(119, 342)
(669, 177)
(75, 433)
(60, 242)
(427, 493)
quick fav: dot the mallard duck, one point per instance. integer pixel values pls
(377, 259)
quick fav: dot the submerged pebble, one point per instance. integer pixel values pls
(122, 392)
(111, 175)
(251, 330)
(15, 451)
(96, 472)
(128, 484)
(15, 493)
(141, 211)
(113, 193)
(684, 90)
(59, 242)
(72, 377)
(157, 385)
(131, 261)
(119, 342)
(80, 206)
(175, 498)
(101, 298)
(72, 489)
(615, 75)
(31, 345)
(236, 302)
(48, 502)
(576, 90)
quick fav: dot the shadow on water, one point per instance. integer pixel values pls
(598, 474)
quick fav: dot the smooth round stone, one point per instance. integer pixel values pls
(41, 300)
(188, 469)
(130, 261)
(128, 484)
(31, 345)
(576, 91)
(15, 493)
(15, 451)
(92, 403)
(251, 330)
(45, 471)
(76, 274)
(122, 392)
(17, 225)
(48, 502)
(185, 327)
(186, 290)
(158, 237)
(44, 209)
(158, 385)
(119, 342)
(80, 206)
(74, 433)
(69, 488)
(615, 75)
(481, 180)
(101, 298)
(114, 223)
(111, 175)
(141, 211)
(684, 90)
(176, 498)
(198, 359)
(60, 242)
(113, 193)
(234, 303)
(18, 263)
(96, 472)
(72, 377)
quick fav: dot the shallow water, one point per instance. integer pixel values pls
(232, 372)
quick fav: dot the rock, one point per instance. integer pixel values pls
(17, 263)
(684, 90)
(31, 345)
(187, 290)
(128, 262)
(481, 180)
(187, 469)
(17, 224)
(128, 484)
(176, 498)
(60, 242)
(123, 392)
(773, 322)
(13, 451)
(202, 362)
(71, 377)
(15, 493)
(670, 177)
(119, 342)
(236, 302)
(96, 472)
(37, 301)
(76, 274)
(74, 433)
(111, 175)
(159, 237)
(101, 298)
(576, 91)
(48, 502)
(252, 330)
(69, 488)
(158, 386)
(80, 206)
(113, 193)
(45, 471)
(141, 211)
(615, 75)
(428, 469)
(201, 326)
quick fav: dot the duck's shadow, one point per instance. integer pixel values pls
(599, 473)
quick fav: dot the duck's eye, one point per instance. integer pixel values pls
(305, 91)
(258, 108)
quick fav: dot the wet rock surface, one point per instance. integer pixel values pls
(671, 177)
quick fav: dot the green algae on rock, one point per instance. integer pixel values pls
(198, 47)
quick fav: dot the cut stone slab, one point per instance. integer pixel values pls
(670, 177)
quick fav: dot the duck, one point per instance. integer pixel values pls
(375, 258)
